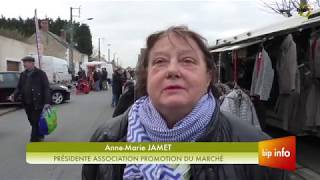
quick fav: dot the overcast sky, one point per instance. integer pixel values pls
(126, 24)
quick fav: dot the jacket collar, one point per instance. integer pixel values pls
(213, 126)
(34, 70)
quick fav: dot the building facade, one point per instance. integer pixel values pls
(57, 46)
(11, 52)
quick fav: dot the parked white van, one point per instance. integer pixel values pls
(56, 69)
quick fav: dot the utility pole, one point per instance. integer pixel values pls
(71, 44)
(109, 53)
(99, 55)
(71, 64)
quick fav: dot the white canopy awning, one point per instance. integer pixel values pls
(94, 63)
(235, 46)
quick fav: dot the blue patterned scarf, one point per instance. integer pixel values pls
(145, 124)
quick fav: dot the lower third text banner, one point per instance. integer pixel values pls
(276, 153)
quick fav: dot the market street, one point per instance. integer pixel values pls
(77, 121)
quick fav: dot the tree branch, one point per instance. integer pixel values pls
(267, 5)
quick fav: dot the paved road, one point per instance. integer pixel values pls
(77, 121)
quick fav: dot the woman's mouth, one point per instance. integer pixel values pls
(173, 87)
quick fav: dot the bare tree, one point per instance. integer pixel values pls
(288, 7)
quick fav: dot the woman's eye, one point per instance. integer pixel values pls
(159, 61)
(188, 60)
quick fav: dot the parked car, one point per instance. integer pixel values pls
(9, 81)
(59, 93)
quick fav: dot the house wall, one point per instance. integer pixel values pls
(78, 59)
(13, 50)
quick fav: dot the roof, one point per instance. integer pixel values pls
(62, 41)
(59, 39)
(292, 24)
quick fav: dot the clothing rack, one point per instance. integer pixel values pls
(219, 67)
(235, 66)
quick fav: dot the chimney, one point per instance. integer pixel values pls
(44, 25)
(63, 35)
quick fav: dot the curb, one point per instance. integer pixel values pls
(304, 173)
(307, 174)
(9, 110)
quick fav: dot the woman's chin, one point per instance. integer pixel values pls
(174, 102)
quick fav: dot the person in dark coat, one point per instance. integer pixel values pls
(81, 74)
(33, 88)
(175, 103)
(104, 78)
(97, 79)
(126, 99)
(116, 87)
(124, 76)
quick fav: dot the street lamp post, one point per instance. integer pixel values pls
(88, 19)
(109, 52)
(114, 56)
(99, 55)
(99, 48)
(81, 22)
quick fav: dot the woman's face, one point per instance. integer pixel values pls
(177, 74)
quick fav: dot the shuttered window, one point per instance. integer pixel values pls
(13, 66)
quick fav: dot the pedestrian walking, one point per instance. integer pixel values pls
(104, 78)
(97, 78)
(116, 87)
(81, 74)
(125, 100)
(33, 89)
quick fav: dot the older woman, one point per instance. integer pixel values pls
(175, 103)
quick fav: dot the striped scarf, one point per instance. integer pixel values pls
(145, 124)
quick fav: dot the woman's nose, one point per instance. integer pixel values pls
(173, 69)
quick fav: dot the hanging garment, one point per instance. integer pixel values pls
(315, 55)
(223, 90)
(286, 108)
(313, 106)
(287, 66)
(297, 125)
(262, 76)
(239, 103)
